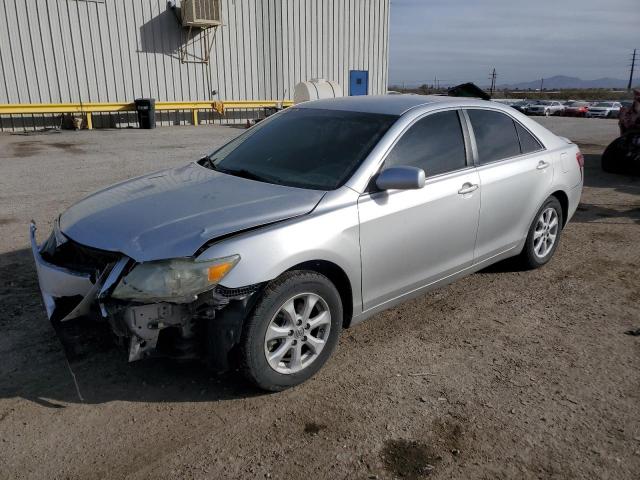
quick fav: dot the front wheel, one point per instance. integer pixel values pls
(544, 235)
(292, 331)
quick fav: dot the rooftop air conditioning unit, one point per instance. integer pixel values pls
(200, 13)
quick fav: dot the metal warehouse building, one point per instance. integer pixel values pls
(78, 53)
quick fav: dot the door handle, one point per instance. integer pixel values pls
(468, 188)
(542, 165)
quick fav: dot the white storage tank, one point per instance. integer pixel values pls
(316, 89)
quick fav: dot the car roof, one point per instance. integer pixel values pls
(389, 104)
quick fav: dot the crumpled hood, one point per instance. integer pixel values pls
(174, 212)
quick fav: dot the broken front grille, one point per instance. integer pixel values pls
(77, 257)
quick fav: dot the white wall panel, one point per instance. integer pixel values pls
(56, 51)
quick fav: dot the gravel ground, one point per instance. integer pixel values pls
(504, 374)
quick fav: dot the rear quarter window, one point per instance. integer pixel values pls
(528, 143)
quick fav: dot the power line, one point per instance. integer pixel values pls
(633, 66)
(492, 77)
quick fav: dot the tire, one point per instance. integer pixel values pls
(547, 113)
(613, 156)
(534, 254)
(273, 314)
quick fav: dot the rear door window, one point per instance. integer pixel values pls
(496, 135)
(434, 143)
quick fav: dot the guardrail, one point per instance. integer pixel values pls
(87, 109)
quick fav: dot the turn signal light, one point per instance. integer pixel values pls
(217, 272)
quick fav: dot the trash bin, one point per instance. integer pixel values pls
(146, 108)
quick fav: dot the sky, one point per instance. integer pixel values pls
(463, 40)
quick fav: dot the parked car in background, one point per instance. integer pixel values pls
(576, 109)
(521, 106)
(314, 219)
(604, 110)
(545, 107)
(565, 104)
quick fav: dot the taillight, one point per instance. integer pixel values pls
(580, 160)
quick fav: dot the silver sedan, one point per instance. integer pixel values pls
(604, 110)
(546, 108)
(260, 253)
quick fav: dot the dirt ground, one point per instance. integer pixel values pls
(504, 374)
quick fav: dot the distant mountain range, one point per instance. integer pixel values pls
(562, 81)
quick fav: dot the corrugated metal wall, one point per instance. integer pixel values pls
(57, 51)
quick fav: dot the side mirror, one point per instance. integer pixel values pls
(400, 178)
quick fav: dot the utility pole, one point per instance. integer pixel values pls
(541, 83)
(633, 66)
(493, 82)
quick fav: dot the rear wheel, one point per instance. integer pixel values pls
(544, 235)
(292, 331)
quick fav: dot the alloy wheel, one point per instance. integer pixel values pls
(545, 233)
(297, 333)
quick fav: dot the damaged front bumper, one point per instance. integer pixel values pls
(58, 283)
(78, 284)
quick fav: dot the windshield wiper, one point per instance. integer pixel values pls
(242, 173)
(208, 162)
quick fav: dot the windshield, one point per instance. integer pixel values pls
(604, 104)
(303, 147)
